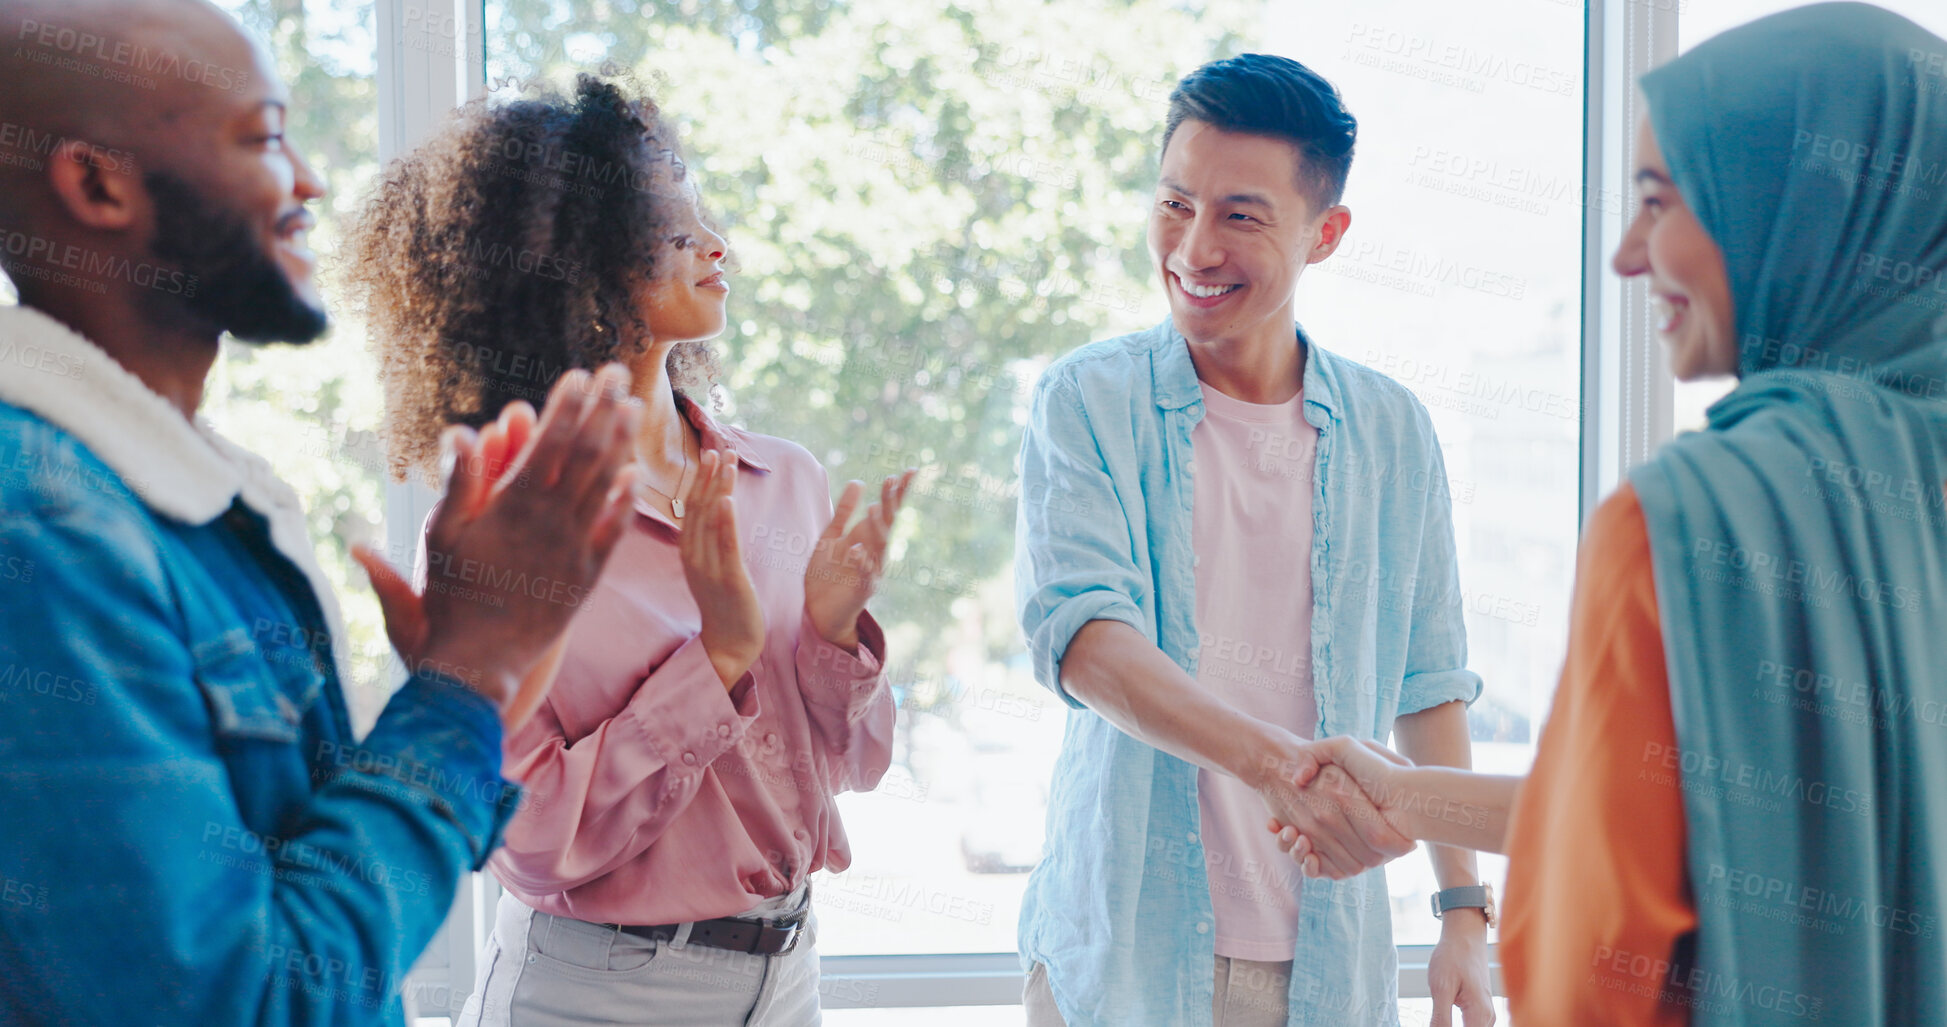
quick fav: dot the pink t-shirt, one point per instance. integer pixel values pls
(1252, 532)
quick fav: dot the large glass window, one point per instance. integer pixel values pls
(1455, 279)
(926, 204)
(929, 202)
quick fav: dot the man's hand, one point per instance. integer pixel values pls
(1457, 974)
(404, 610)
(517, 545)
(1372, 768)
(846, 563)
(535, 685)
(732, 629)
(1322, 806)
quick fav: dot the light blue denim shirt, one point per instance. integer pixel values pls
(1119, 908)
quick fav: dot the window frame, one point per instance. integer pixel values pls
(1627, 394)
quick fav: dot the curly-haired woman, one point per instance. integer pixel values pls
(679, 778)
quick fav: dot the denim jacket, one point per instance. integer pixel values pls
(193, 835)
(1119, 908)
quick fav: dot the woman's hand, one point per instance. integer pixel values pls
(846, 565)
(1374, 770)
(1330, 813)
(713, 564)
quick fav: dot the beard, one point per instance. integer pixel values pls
(239, 287)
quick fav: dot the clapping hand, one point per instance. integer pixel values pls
(712, 552)
(847, 563)
(524, 503)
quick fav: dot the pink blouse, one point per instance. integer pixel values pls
(651, 795)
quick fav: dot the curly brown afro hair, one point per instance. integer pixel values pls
(509, 249)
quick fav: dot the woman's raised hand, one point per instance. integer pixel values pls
(846, 565)
(713, 564)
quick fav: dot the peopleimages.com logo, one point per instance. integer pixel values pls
(130, 57)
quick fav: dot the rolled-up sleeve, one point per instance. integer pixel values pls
(1074, 558)
(1436, 647)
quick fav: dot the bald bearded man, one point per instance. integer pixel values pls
(193, 835)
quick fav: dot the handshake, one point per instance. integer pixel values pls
(1341, 806)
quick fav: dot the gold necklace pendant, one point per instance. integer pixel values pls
(675, 505)
(676, 509)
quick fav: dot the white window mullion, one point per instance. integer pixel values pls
(429, 61)
(1627, 388)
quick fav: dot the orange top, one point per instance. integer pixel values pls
(1598, 894)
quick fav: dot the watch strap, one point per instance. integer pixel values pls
(1475, 896)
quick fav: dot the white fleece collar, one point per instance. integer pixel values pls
(184, 472)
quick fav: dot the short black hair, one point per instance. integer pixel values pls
(1261, 95)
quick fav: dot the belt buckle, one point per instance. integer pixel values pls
(791, 931)
(791, 925)
(792, 922)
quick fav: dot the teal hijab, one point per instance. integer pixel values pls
(1799, 543)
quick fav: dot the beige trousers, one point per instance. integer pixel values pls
(1249, 994)
(549, 971)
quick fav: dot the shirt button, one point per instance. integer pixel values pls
(689, 758)
(801, 834)
(723, 730)
(1193, 837)
(770, 738)
(1203, 928)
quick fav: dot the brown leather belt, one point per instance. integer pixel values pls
(768, 937)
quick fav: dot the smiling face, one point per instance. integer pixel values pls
(229, 196)
(269, 181)
(1231, 231)
(279, 184)
(685, 301)
(205, 188)
(1689, 286)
